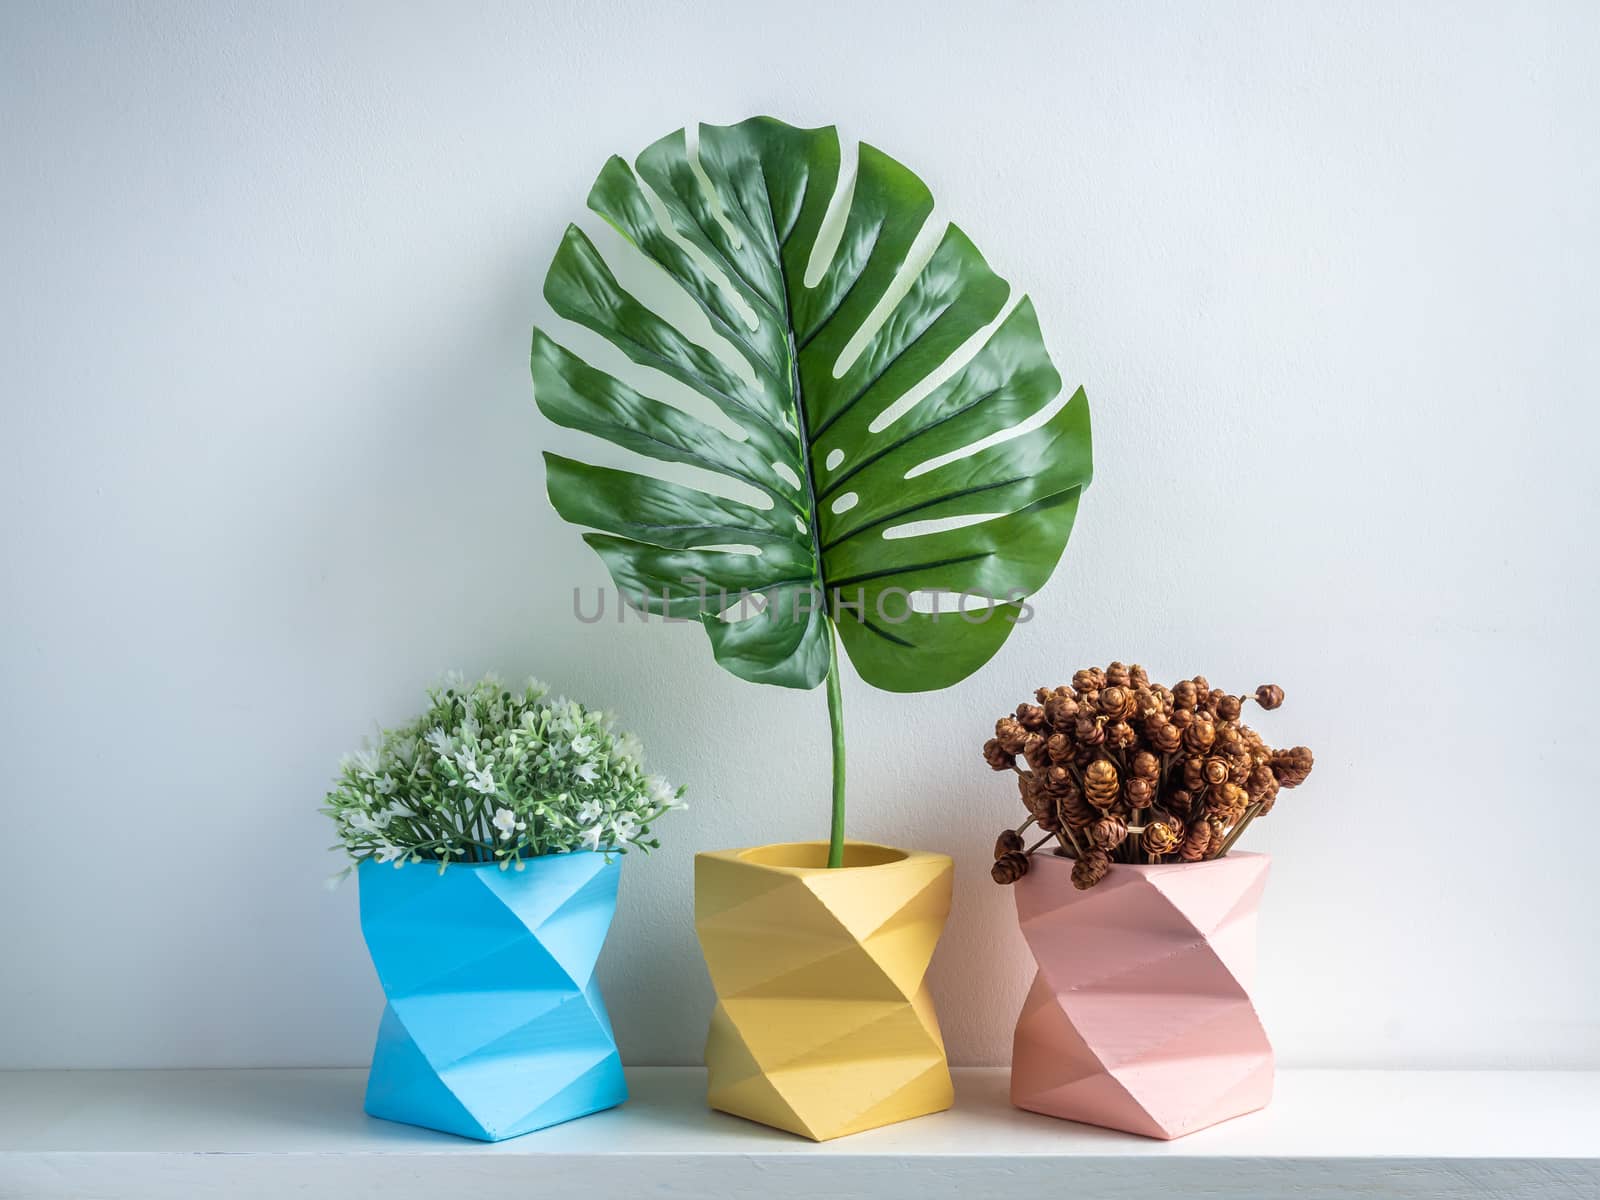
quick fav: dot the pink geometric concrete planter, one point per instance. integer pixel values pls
(1140, 1017)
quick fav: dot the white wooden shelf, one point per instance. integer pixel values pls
(261, 1133)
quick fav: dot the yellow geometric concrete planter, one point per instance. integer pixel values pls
(824, 1025)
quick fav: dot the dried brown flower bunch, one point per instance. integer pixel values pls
(1122, 770)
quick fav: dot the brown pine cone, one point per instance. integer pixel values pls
(1141, 793)
(1229, 740)
(1261, 778)
(1269, 696)
(1010, 734)
(1229, 707)
(1215, 770)
(1199, 736)
(1090, 869)
(1120, 735)
(1117, 674)
(1183, 718)
(1030, 717)
(1228, 802)
(1291, 766)
(1146, 765)
(1033, 751)
(1009, 842)
(1113, 701)
(1268, 798)
(1090, 731)
(995, 755)
(1194, 774)
(1159, 838)
(1042, 694)
(1077, 812)
(1100, 783)
(1183, 695)
(1146, 704)
(1059, 747)
(1266, 802)
(1059, 780)
(1239, 768)
(1196, 842)
(1138, 676)
(1035, 799)
(1180, 801)
(1060, 711)
(1163, 735)
(1108, 832)
(1009, 868)
(1090, 679)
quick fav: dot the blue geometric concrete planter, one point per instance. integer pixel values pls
(495, 1026)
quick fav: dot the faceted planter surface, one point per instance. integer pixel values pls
(1140, 1016)
(494, 1025)
(823, 1025)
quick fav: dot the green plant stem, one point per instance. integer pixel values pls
(836, 723)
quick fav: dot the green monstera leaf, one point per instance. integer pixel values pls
(863, 417)
(861, 489)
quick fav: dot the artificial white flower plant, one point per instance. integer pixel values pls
(490, 774)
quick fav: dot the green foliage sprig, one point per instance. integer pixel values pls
(488, 774)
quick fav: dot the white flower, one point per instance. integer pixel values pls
(480, 780)
(625, 827)
(586, 772)
(366, 762)
(592, 835)
(363, 822)
(506, 822)
(386, 785)
(588, 812)
(582, 745)
(443, 744)
(661, 792)
(388, 853)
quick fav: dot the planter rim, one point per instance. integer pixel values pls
(742, 857)
(1152, 868)
(433, 863)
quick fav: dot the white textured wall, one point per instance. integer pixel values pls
(269, 463)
